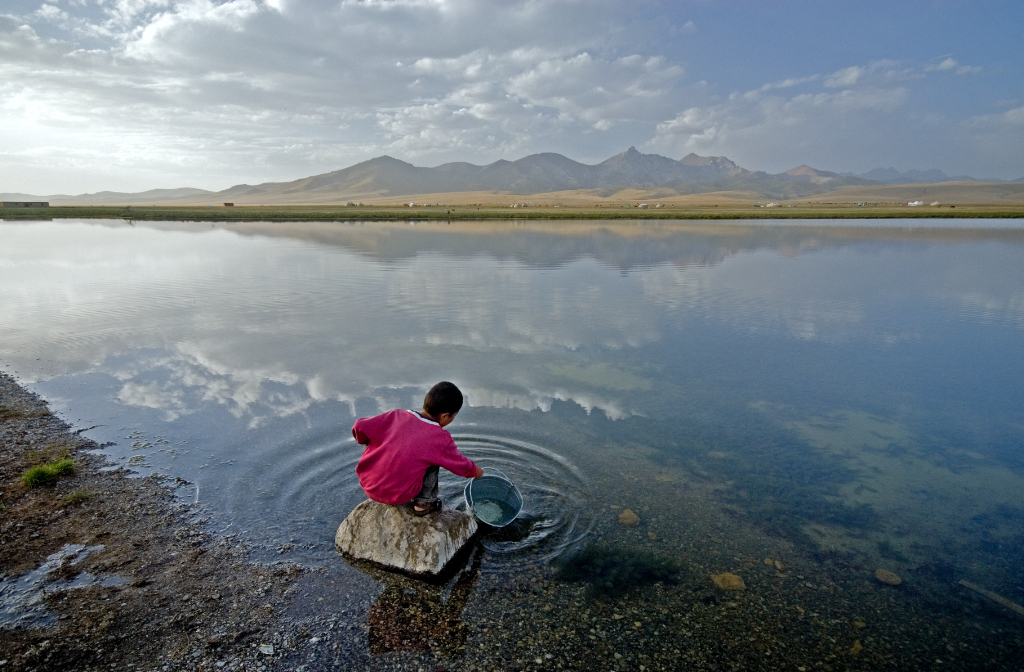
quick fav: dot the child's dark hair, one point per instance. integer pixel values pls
(443, 398)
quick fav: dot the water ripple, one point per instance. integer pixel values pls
(556, 500)
(296, 493)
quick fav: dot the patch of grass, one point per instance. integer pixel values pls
(19, 412)
(47, 474)
(612, 571)
(77, 496)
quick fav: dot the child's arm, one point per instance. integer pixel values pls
(479, 472)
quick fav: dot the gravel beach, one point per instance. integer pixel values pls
(104, 571)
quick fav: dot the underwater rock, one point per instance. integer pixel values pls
(627, 517)
(727, 581)
(395, 537)
(887, 577)
(857, 647)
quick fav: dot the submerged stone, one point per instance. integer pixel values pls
(727, 581)
(627, 517)
(887, 577)
(395, 537)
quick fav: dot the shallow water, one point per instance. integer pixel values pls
(849, 394)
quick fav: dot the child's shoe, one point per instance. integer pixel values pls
(429, 507)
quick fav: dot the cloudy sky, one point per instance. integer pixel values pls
(129, 95)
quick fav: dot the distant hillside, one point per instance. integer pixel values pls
(544, 173)
(537, 173)
(151, 197)
(388, 178)
(893, 176)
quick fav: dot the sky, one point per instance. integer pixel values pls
(128, 95)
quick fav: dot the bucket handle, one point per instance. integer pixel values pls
(502, 474)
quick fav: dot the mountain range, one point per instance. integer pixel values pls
(893, 176)
(534, 174)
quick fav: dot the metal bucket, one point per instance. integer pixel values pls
(494, 500)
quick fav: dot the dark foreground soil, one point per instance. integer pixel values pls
(134, 581)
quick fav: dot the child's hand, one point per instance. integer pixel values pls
(479, 473)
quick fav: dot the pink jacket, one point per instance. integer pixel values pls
(402, 445)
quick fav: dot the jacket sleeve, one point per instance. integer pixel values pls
(455, 462)
(363, 430)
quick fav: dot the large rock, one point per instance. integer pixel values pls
(395, 537)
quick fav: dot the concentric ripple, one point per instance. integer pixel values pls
(556, 501)
(295, 494)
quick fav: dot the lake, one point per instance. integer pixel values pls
(796, 404)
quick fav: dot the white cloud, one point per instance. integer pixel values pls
(856, 118)
(845, 77)
(276, 90)
(788, 83)
(132, 94)
(51, 13)
(771, 130)
(951, 64)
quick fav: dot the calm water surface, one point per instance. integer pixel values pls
(851, 397)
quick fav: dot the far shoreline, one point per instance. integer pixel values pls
(337, 213)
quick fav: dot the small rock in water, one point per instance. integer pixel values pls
(887, 577)
(857, 647)
(268, 649)
(727, 581)
(627, 517)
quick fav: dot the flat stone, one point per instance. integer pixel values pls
(395, 537)
(627, 517)
(887, 577)
(727, 581)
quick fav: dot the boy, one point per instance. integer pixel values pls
(406, 449)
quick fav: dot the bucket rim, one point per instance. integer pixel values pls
(468, 496)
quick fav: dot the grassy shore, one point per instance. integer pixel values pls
(483, 211)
